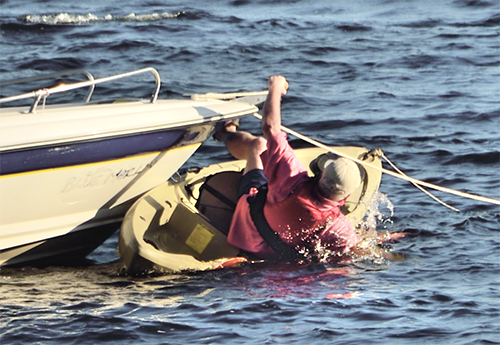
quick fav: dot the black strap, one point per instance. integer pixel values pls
(219, 196)
(283, 252)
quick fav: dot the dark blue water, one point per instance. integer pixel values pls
(419, 79)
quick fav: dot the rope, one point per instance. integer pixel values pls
(381, 154)
(388, 172)
(222, 96)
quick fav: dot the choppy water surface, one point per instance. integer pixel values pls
(419, 79)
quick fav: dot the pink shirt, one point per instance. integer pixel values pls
(291, 195)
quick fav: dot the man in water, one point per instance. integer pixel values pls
(300, 215)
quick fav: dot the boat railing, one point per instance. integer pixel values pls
(44, 93)
(46, 77)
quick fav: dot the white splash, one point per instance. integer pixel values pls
(377, 211)
(89, 18)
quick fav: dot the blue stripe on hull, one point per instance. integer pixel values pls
(89, 151)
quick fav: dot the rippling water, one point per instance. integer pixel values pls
(419, 79)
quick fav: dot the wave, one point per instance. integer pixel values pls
(488, 22)
(491, 21)
(448, 158)
(53, 64)
(32, 27)
(476, 3)
(65, 18)
(467, 116)
(422, 24)
(353, 28)
(89, 18)
(321, 126)
(492, 157)
(415, 61)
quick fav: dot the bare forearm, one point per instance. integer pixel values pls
(271, 113)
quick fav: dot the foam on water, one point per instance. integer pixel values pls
(89, 18)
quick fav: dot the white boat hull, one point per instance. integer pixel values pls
(52, 203)
(69, 173)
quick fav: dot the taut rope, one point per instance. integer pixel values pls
(399, 175)
(226, 96)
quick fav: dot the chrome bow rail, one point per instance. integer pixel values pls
(38, 94)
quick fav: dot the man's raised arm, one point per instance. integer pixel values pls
(271, 113)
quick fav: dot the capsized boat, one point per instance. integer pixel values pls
(69, 172)
(182, 224)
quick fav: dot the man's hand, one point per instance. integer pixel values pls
(277, 83)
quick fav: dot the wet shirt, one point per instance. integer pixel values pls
(294, 208)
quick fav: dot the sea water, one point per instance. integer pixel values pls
(418, 79)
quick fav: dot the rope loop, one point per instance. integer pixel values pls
(383, 156)
(373, 153)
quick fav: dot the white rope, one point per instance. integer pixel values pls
(381, 154)
(388, 172)
(223, 96)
